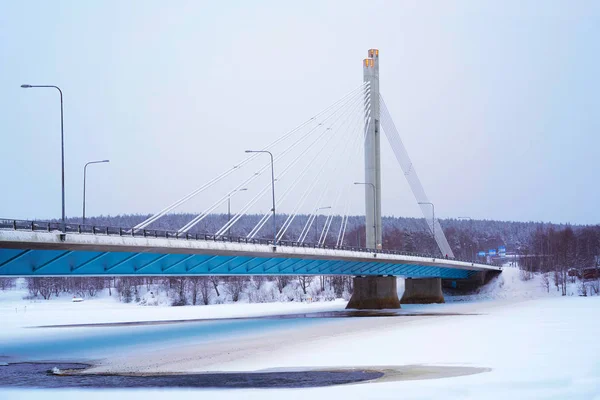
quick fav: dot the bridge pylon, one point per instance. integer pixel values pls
(372, 152)
(374, 292)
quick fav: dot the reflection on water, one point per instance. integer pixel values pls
(39, 375)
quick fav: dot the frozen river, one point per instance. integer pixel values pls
(540, 348)
(93, 342)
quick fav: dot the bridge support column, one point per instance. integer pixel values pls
(374, 293)
(422, 291)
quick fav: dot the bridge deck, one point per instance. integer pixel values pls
(53, 254)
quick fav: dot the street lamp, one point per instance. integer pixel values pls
(272, 189)
(84, 178)
(374, 210)
(62, 145)
(317, 221)
(229, 208)
(433, 218)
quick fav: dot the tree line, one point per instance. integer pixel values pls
(190, 290)
(465, 236)
(562, 255)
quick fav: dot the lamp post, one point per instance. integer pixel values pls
(62, 145)
(273, 191)
(84, 179)
(317, 222)
(374, 210)
(433, 218)
(229, 208)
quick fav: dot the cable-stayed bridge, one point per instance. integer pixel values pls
(315, 168)
(42, 249)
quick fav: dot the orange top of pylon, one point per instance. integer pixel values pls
(373, 53)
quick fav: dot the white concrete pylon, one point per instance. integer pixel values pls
(372, 153)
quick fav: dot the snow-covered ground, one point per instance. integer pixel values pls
(17, 313)
(509, 285)
(537, 344)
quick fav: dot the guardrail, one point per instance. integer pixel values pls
(42, 226)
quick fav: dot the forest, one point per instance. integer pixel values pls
(465, 236)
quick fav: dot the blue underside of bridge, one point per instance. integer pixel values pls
(19, 262)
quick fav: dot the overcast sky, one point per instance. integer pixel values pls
(496, 102)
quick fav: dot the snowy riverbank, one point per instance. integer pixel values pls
(535, 343)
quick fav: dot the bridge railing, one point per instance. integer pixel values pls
(42, 226)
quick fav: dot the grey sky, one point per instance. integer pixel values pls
(496, 102)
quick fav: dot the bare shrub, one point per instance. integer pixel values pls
(32, 287)
(45, 287)
(178, 293)
(7, 283)
(525, 275)
(304, 281)
(200, 288)
(125, 289)
(338, 284)
(282, 281)
(235, 286)
(216, 280)
(546, 282)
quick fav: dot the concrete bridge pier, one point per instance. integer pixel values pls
(374, 293)
(422, 291)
